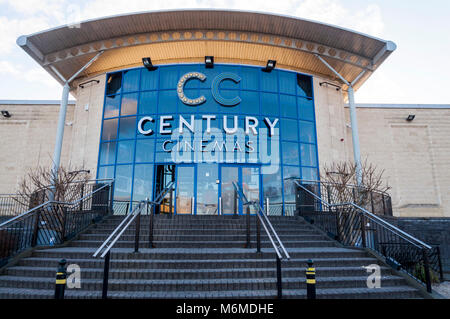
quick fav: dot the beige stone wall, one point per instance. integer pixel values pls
(27, 140)
(85, 135)
(415, 155)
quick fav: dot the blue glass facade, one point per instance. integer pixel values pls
(281, 97)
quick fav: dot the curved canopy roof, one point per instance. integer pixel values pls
(189, 35)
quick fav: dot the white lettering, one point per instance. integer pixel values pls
(249, 126)
(162, 124)
(271, 125)
(225, 125)
(183, 123)
(141, 125)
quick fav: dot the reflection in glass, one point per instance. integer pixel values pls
(250, 185)
(272, 190)
(307, 133)
(129, 104)
(127, 127)
(230, 204)
(290, 153)
(109, 131)
(207, 189)
(306, 108)
(125, 152)
(289, 189)
(289, 130)
(185, 189)
(131, 80)
(147, 103)
(288, 106)
(112, 104)
(269, 104)
(122, 183)
(149, 80)
(105, 172)
(144, 150)
(113, 83)
(308, 154)
(107, 153)
(143, 182)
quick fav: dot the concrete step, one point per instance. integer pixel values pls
(268, 271)
(344, 293)
(204, 244)
(199, 284)
(197, 263)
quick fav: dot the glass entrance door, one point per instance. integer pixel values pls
(248, 177)
(185, 189)
(164, 174)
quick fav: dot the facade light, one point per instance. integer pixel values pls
(270, 66)
(148, 64)
(209, 62)
(6, 113)
(410, 117)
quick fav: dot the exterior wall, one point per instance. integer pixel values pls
(28, 140)
(332, 142)
(414, 155)
(85, 135)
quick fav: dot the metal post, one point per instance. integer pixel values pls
(363, 231)
(248, 227)
(150, 236)
(111, 200)
(310, 280)
(61, 275)
(258, 234)
(106, 276)
(128, 208)
(63, 223)
(81, 196)
(235, 204)
(267, 206)
(36, 228)
(426, 266)
(355, 135)
(279, 283)
(220, 206)
(137, 232)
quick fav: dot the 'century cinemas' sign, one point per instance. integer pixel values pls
(207, 123)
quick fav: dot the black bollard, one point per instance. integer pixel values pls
(61, 276)
(310, 280)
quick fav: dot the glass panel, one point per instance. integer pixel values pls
(168, 77)
(288, 106)
(207, 189)
(129, 104)
(167, 102)
(304, 85)
(109, 130)
(112, 106)
(185, 189)
(269, 81)
(107, 153)
(106, 172)
(306, 108)
(289, 130)
(250, 103)
(127, 127)
(122, 184)
(147, 103)
(272, 190)
(145, 150)
(290, 153)
(131, 80)
(149, 80)
(289, 189)
(250, 78)
(113, 83)
(288, 82)
(309, 173)
(308, 154)
(230, 203)
(125, 152)
(250, 185)
(269, 104)
(143, 182)
(307, 133)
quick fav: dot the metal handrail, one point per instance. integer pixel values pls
(335, 183)
(413, 240)
(51, 202)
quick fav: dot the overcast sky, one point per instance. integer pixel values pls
(417, 72)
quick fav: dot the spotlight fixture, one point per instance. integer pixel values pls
(209, 62)
(270, 66)
(6, 113)
(148, 64)
(410, 117)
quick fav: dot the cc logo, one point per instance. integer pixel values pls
(214, 89)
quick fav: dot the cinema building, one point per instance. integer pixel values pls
(210, 99)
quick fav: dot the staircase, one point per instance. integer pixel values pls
(203, 257)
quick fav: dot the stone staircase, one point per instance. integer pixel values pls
(203, 257)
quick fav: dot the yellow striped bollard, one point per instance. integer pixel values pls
(61, 279)
(310, 280)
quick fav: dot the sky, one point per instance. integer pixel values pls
(417, 72)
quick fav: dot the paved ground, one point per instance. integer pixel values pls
(443, 288)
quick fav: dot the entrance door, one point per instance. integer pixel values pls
(248, 177)
(185, 189)
(164, 175)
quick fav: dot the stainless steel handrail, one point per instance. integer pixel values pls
(50, 202)
(263, 222)
(411, 239)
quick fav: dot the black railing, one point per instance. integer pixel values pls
(353, 225)
(10, 206)
(262, 219)
(53, 222)
(141, 208)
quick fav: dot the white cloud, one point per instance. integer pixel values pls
(31, 75)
